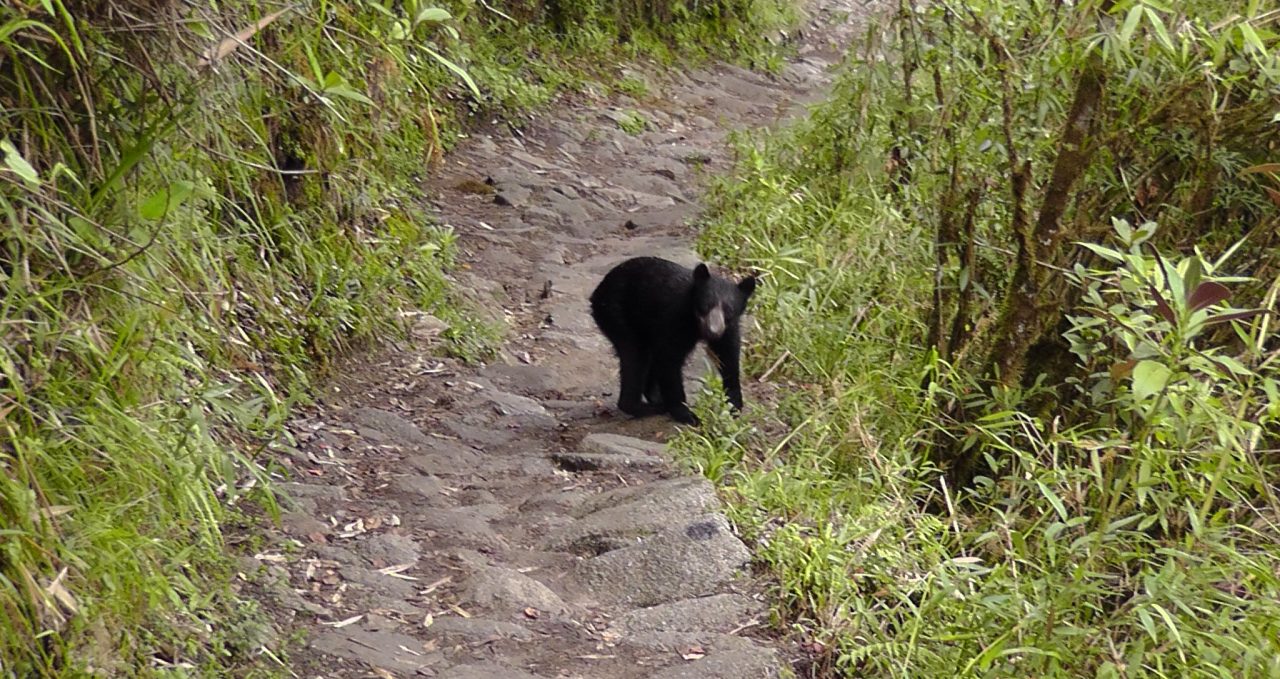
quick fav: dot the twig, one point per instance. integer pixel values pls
(767, 373)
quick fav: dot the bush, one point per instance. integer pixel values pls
(1001, 452)
(203, 205)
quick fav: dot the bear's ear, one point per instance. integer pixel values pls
(701, 273)
(747, 286)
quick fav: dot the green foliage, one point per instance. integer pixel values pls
(633, 122)
(202, 205)
(1121, 519)
(632, 86)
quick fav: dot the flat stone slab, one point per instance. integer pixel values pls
(634, 512)
(507, 591)
(484, 436)
(755, 662)
(586, 462)
(478, 628)
(383, 649)
(377, 582)
(660, 218)
(717, 613)
(680, 642)
(442, 457)
(617, 444)
(305, 497)
(512, 404)
(389, 549)
(693, 559)
(471, 523)
(513, 196)
(486, 671)
(381, 426)
(424, 487)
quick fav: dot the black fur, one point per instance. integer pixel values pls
(655, 312)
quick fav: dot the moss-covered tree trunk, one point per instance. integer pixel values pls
(1037, 296)
(1034, 302)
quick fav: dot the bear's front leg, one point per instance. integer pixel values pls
(727, 350)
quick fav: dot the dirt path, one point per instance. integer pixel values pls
(506, 522)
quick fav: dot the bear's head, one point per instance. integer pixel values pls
(718, 302)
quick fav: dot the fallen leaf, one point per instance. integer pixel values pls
(51, 511)
(60, 593)
(228, 45)
(395, 571)
(343, 623)
(610, 637)
(436, 585)
(273, 558)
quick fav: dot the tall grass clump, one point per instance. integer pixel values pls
(202, 205)
(1018, 328)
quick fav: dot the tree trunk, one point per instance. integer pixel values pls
(1032, 305)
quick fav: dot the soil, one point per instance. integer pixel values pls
(455, 521)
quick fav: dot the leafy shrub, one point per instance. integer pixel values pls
(1001, 452)
(203, 205)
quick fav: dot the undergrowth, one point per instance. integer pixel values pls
(203, 206)
(1119, 518)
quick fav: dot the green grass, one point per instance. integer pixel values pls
(184, 249)
(1127, 532)
(633, 122)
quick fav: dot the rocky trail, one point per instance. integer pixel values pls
(506, 521)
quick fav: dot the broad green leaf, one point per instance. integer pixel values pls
(378, 6)
(1149, 378)
(19, 165)
(202, 29)
(1054, 500)
(347, 92)
(433, 15)
(1252, 39)
(1233, 365)
(1105, 252)
(316, 72)
(164, 201)
(1172, 278)
(1192, 277)
(1162, 33)
(1123, 229)
(471, 85)
(1130, 23)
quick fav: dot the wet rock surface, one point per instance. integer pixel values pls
(505, 521)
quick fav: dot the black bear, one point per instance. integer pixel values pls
(654, 312)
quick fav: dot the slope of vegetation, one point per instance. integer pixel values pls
(1022, 271)
(203, 203)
